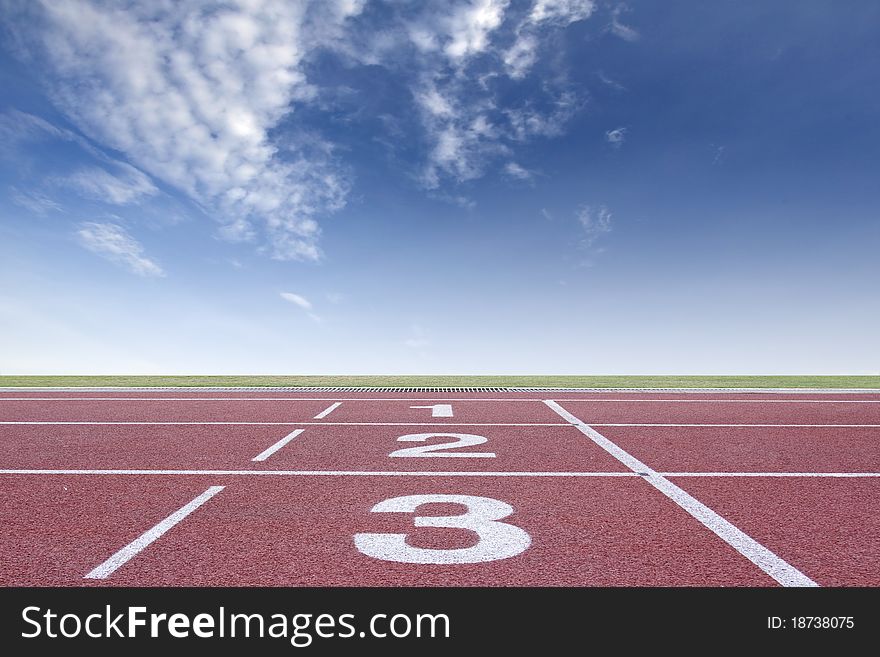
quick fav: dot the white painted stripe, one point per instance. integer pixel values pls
(724, 401)
(831, 475)
(600, 400)
(423, 473)
(287, 424)
(332, 407)
(322, 473)
(776, 567)
(800, 426)
(269, 451)
(131, 550)
(274, 399)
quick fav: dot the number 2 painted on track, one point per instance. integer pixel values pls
(497, 540)
(463, 440)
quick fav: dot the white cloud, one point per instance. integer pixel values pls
(595, 221)
(297, 300)
(35, 201)
(566, 11)
(468, 27)
(616, 137)
(130, 186)
(189, 92)
(514, 170)
(621, 30)
(522, 55)
(112, 241)
(302, 302)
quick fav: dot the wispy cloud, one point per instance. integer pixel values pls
(189, 92)
(112, 241)
(616, 137)
(609, 81)
(618, 28)
(467, 124)
(36, 202)
(302, 302)
(595, 221)
(129, 186)
(514, 170)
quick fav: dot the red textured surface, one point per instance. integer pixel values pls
(553, 449)
(827, 528)
(299, 532)
(199, 410)
(463, 411)
(723, 413)
(317, 448)
(751, 449)
(74, 447)
(54, 530)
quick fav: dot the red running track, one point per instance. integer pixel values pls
(609, 528)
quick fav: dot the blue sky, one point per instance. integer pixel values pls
(477, 186)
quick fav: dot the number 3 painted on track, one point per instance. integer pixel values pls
(498, 540)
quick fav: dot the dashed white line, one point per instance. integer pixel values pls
(131, 550)
(772, 564)
(269, 451)
(332, 407)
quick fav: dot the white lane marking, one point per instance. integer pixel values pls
(332, 407)
(323, 473)
(438, 410)
(772, 564)
(416, 473)
(296, 399)
(598, 400)
(659, 424)
(269, 451)
(729, 401)
(131, 550)
(832, 475)
(287, 424)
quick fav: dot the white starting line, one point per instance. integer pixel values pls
(772, 564)
(423, 473)
(131, 550)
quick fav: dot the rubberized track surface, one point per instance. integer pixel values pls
(395, 488)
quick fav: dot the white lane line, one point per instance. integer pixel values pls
(831, 475)
(269, 451)
(598, 400)
(729, 401)
(296, 399)
(131, 550)
(323, 473)
(324, 424)
(772, 564)
(332, 407)
(428, 473)
(658, 424)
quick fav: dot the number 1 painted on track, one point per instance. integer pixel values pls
(438, 410)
